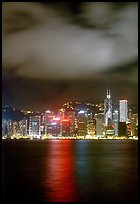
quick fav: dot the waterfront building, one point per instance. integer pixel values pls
(123, 111)
(49, 115)
(122, 129)
(9, 128)
(91, 125)
(65, 127)
(115, 121)
(108, 109)
(82, 123)
(72, 119)
(100, 130)
(34, 126)
(25, 127)
(54, 129)
(134, 124)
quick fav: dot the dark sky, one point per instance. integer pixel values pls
(55, 52)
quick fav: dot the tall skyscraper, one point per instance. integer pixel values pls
(108, 109)
(34, 126)
(99, 124)
(115, 121)
(72, 117)
(123, 109)
(82, 123)
(91, 125)
(48, 121)
(24, 126)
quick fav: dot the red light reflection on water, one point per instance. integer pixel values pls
(60, 175)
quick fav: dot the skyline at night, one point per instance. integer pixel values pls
(69, 102)
(58, 52)
(73, 120)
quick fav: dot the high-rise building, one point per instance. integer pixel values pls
(115, 121)
(91, 125)
(135, 124)
(9, 128)
(123, 110)
(17, 128)
(72, 118)
(108, 109)
(82, 123)
(65, 127)
(49, 115)
(24, 127)
(122, 129)
(4, 128)
(54, 129)
(99, 124)
(34, 126)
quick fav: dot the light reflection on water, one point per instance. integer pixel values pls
(71, 170)
(60, 172)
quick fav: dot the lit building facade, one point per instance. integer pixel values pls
(49, 115)
(115, 121)
(91, 125)
(82, 123)
(123, 110)
(34, 126)
(108, 109)
(72, 119)
(4, 128)
(54, 129)
(100, 130)
(9, 128)
(65, 127)
(24, 127)
(135, 124)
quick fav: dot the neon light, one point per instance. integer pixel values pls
(82, 111)
(65, 120)
(53, 123)
(56, 118)
(123, 100)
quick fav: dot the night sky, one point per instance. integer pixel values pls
(56, 52)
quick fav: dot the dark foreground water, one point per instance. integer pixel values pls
(70, 170)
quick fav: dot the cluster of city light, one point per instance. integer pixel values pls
(84, 125)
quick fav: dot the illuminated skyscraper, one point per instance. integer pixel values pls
(82, 123)
(72, 118)
(108, 109)
(34, 126)
(91, 125)
(55, 127)
(115, 121)
(48, 120)
(99, 124)
(123, 109)
(24, 126)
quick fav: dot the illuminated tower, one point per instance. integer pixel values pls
(48, 120)
(34, 126)
(108, 109)
(115, 121)
(123, 110)
(82, 123)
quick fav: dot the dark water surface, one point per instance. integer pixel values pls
(70, 170)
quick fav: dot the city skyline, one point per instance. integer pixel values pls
(53, 53)
(69, 102)
(74, 120)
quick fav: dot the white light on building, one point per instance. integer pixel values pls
(123, 108)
